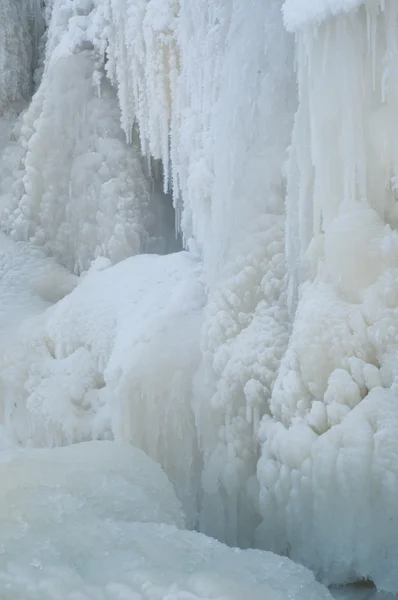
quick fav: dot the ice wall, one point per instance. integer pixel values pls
(17, 49)
(273, 365)
(173, 66)
(328, 480)
(82, 192)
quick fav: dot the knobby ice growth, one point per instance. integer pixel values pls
(328, 471)
(283, 387)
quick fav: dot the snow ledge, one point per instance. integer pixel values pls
(298, 13)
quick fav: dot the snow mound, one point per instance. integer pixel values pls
(96, 520)
(298, 13)
(96, 480)
(114, 359)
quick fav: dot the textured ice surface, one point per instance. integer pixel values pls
(29, 283)
(328, 470)
(116, 358)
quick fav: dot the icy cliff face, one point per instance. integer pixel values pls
(82, 192)
(328, 466)
(259, 368)
(21, 26)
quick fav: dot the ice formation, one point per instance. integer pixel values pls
(259, 366)
(20, 26)
(118, 352)
(328, 468)
(90, 195)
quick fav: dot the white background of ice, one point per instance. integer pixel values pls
(259, 368)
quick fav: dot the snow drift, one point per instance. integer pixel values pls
(99, 520)
(298, 13)
(259, 368)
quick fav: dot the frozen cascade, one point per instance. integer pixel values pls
(257, 369)
(328, 470)
(101, 203)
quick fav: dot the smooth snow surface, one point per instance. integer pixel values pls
(99, 520)
(298, 13)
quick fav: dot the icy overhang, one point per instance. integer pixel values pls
(297, 13)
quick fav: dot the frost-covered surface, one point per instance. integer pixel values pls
(93, 480)
(302, 12)
(328, 468)
(261, 374)
(99, 520)
(184, 117)
(17, 49)
(72, 185)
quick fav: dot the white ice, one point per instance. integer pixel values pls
(259, 367)
(329, 452)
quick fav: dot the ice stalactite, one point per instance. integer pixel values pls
(172, 66)
(246, 326)
(88, 196)
(328, 477)
(344, 151)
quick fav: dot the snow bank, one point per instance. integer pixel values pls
(298, 13)
(94, 480)
(115, 358)
(96, 521)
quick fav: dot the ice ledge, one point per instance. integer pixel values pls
(297, 13)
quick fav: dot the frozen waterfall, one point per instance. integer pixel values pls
(156, 402)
